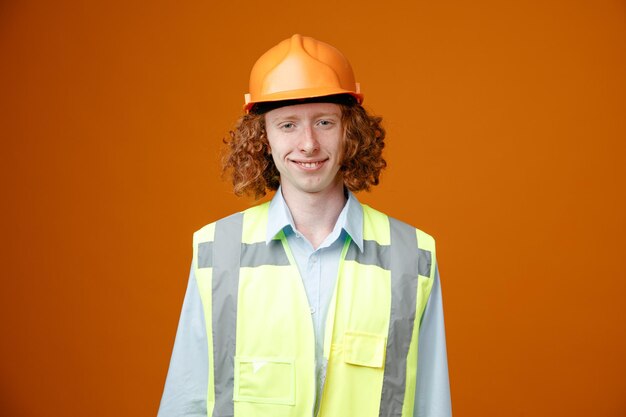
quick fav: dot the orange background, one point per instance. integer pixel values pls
(506, 130)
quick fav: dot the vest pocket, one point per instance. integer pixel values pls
(364, 349)
(264, 380)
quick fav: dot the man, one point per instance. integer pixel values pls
(312, 304)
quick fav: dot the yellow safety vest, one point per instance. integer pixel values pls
(261, 342)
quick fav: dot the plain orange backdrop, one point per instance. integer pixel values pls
(506, 141)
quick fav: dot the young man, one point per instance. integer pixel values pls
(312, 304)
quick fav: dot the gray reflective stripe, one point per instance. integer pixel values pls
(205, 255)
(226, 257)
(404, 269)
(252, 254)
(373, 254)
(424, 263)
(257, 254)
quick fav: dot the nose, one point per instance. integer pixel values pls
(308, 143)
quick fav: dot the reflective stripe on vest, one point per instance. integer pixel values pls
(259, 329)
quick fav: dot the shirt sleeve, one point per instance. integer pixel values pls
(432, 393)
(187, 378)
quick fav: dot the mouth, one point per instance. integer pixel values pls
(309, 165)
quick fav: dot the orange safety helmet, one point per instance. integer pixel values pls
(300, 68)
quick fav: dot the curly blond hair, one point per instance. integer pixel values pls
(248, 161)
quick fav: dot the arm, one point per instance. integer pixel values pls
(432, 393)
(187, 379)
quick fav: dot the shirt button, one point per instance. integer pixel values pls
(312, 310)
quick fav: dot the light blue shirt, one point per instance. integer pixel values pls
(318, 267)
(186, 384)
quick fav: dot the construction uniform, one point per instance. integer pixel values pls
(338, 365)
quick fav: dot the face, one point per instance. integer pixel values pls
(306, 143)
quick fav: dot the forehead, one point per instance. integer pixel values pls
(304, 110)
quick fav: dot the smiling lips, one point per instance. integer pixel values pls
(309, 164)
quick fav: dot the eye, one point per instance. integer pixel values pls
(287, 126)
(325, 123)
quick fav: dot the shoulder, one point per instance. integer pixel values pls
(376, 218)
(207, 232)
(373, 215)
(403, 237)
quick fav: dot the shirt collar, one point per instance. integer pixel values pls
(350, 219)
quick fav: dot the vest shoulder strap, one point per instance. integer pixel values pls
(255, 225)
(207, 232)
(376, 227)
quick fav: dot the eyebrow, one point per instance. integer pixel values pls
(314, 116)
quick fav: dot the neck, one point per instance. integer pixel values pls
(315, 214)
